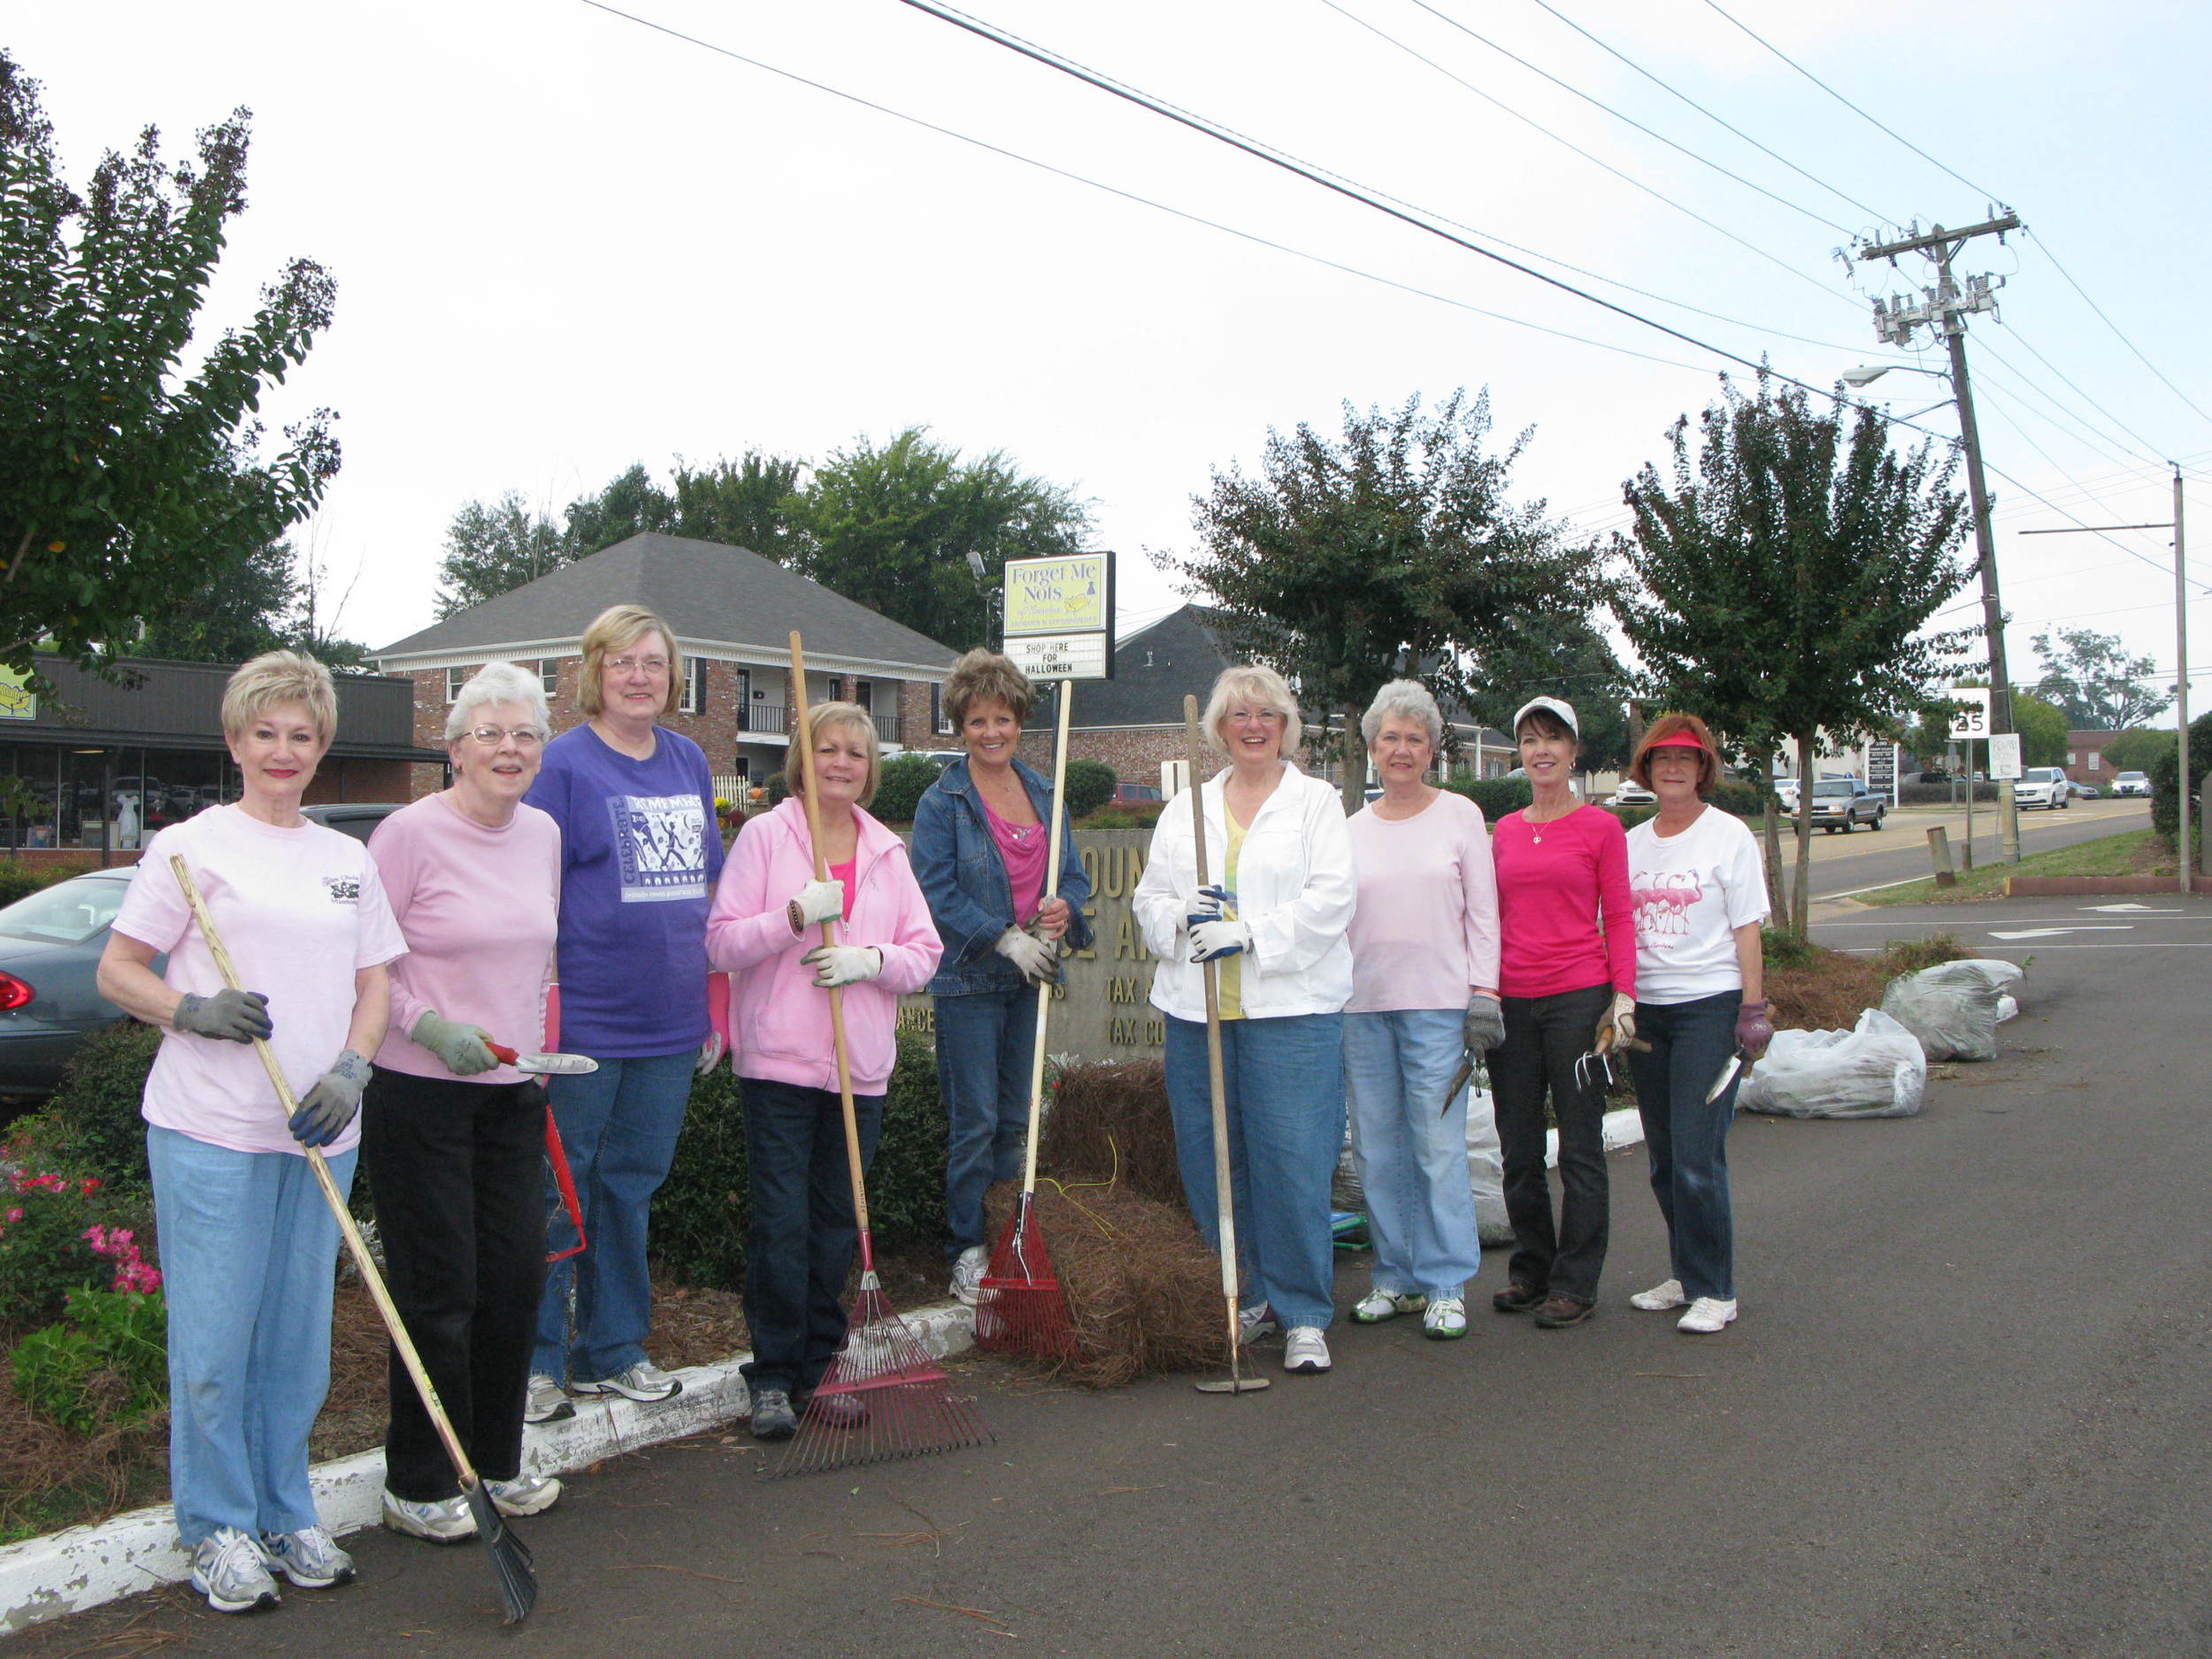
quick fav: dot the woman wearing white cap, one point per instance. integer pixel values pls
(1567, 974)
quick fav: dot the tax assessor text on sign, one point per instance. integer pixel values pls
(1059, 618)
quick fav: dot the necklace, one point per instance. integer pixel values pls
(1536, 825)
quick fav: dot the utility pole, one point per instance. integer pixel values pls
(1944, 309)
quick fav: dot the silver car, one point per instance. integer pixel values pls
(50, 948)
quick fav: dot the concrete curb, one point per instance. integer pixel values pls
(50, 1577)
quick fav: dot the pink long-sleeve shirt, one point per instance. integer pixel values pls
(1554, 882)
(780, 1019)
(1425, 931)
(478, 908)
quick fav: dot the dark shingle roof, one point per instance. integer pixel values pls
(707, 591)
(1152, 668)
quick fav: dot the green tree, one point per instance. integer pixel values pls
(2134, 751)
(896, 527)
(2096, 685)
(1561, 654)
(126, 486)
(2042, 727)
(630, 504)
(752, 503)
(1786, 574)
(492, 548)
(1391, 552)
(242, 610)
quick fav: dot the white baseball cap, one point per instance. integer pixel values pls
(1564, 711)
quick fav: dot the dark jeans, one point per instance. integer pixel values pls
(800, 1245)
(1544, 1037)
(458, 1174)
(987, 1045)
(1686, 1138)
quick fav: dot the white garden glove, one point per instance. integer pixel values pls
(1038, 961)
(843, 964)
(1214, 931)
(460, 1046)
(814, 903)
(1485, 1028)
(1623, 1014)
(711, 1053)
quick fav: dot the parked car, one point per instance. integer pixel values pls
(2132, 783)
(357, 819)
(50, 946)
(2046, 787)
(1632, 794)
(2087, 792)
(1844, 804)
(1137, 794)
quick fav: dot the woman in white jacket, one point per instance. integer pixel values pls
(1274, 922)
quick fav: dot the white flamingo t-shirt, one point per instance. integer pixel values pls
(1690, 893)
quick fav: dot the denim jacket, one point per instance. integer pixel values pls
(965, 880)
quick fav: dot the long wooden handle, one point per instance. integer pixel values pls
(1052, 890)
(1225, 1208)
(336, 1200)
(805, 739)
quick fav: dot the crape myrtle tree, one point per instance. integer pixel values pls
(2097, 685)
(1786, 574)
(128, 485)
(1392, 551)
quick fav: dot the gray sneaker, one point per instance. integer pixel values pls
(774, 1418)
(643, 1382)
(524, 1495)
(230, 1571)
(309, 1558)
(967, 1273)
(549, 1402)
(439, 1521)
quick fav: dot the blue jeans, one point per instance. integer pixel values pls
(1686, 1137)
(799, 1247)
(248, 1248)
(619, 1126)
(1283, 1084)
(987, 1043)
(1411, 1150)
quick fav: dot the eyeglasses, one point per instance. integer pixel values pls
(490, 736)
(650, 665)
(1255, 717)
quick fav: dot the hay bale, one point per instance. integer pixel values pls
(1109, 1122)
(1144, 1291)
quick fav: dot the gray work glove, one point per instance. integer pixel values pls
(1036, 958)
(228, 1015)
(330, 1105)
(1485, 1024)
(460, 1046)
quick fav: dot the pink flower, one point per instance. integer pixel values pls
(16, 1214)
(120, 1237)
(90, 1185)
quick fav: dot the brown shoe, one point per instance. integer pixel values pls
(1516, 1298)
(1560, 1311)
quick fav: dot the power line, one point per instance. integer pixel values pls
(2043, 248)
(2078, 436)
(1854, 109)
(1839, 195)
(2082, 422)
(2014, 331)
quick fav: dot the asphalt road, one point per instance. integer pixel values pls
(1963, 1414)
(1865, 858)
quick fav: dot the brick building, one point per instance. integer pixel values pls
(733, 611)
(2086, 761)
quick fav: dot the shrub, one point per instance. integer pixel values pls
(61, 1234)
(1128, 815)
(702, 1210)
(93, 1124)
(1090, 784)
(1744, 800)
(20, 880)
(1941, 794)
(900, 782)
(1496, 796)
(106, 1366)
(2165, 772)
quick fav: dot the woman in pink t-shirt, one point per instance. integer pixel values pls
(453, 1141)
(1568, 973)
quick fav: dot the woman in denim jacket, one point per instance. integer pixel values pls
(979, 854)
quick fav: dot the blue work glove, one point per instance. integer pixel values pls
(330, 1105)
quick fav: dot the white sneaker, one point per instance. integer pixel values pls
(230, 1571)
(644, 1382)
(1305, 1350)
(309, 1558)
(1255, 1323)
(549, 1402)
(1444, 1320)
(1706, 1315)
(524, 1495)
(967, 1273)
(1379, 1305)
(1659, 1298)
(441, 1521)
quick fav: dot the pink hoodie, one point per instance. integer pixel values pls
(779, 1018)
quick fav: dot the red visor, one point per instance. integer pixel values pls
(1684, 738)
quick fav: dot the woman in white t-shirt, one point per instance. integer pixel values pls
(247, 1243)
(1699, 890)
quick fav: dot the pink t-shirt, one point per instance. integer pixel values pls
(844, 874)
(1022, 848)
(1554, 883)
(1426, 930)
(301, 911)
(479, 909)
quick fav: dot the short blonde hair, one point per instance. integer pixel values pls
(613, 631)
(276, 678)
(1409, 700)
(1249, 682)
(498, 682)
(837, 714)
(984, 676)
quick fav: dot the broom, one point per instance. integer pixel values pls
(1019, 1308)
(509, 1556)
(884, 1396)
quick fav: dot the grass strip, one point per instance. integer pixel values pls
(2133, 853)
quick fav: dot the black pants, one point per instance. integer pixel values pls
(1544, 1037)
(800, 1245)
(457, 1170)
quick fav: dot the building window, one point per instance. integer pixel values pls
(938, 721)
(454, 678)
(549, 675)
(695, 697)
(2096, 759)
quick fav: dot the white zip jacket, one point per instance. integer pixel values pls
(1295, 889)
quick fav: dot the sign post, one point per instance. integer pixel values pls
(1969, 720)
(1881, 771)
(2004, 755)
(1059, 618)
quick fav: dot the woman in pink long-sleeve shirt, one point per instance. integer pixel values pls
(763, 929)
(1568, 965)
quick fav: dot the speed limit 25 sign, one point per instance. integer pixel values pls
(1969, 712)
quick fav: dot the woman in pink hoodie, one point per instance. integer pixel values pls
(764, 929)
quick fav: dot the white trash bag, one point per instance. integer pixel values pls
(1875, 1070)
(1953, 1006)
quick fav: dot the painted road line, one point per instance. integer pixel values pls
(2053, 932)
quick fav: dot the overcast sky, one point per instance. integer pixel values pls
(565, 241)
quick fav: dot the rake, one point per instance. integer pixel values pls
(1019, 1307)
(884, 1396)
(509, 1556)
